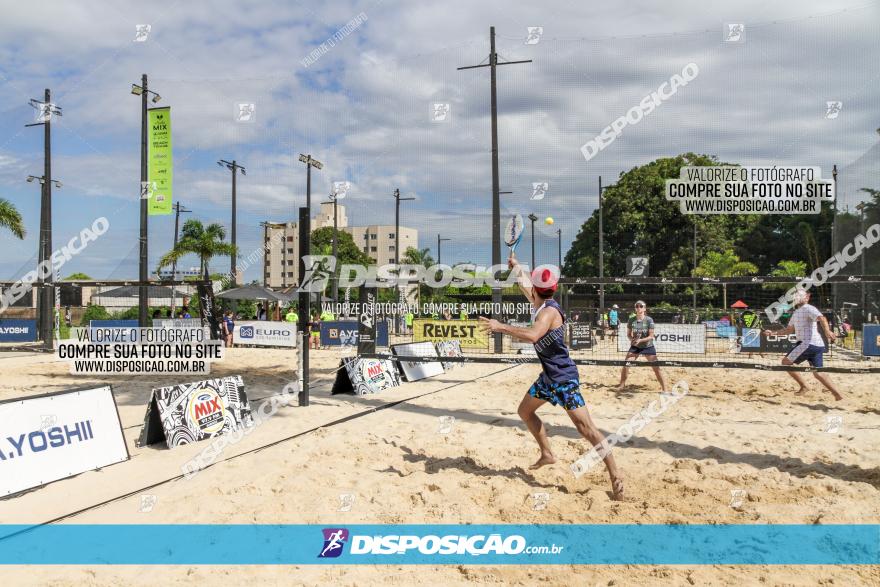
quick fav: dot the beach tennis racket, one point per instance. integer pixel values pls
(513, 231)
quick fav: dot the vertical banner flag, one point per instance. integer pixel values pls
(159, 161)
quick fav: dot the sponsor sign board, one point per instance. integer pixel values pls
(50, 437)
(871, 340)
(189, 412)
(466, 332)
(363, 376)
(265, 333)
(416, 371)
(18, 330)
(580, 335)
(346, 333)
(671, 338)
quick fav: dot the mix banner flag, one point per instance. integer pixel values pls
(159, 161)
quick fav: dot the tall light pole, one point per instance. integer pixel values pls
(440, 240)
(310, 162)
(602, 243)
(496, 199)
(533, 218)
(333, 200)
(46, 296)
(397, 201)
(144, 273)
(235, 168)
(178, 210)
(861, 208)
(559, 252)
(693, 272)
(834, 233)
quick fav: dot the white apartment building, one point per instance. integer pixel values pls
(281, 261)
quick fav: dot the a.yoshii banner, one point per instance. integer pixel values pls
(159, 162)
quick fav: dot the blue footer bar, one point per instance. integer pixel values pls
(600, 544)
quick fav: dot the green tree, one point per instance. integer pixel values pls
(77, 276)
(94, 312)
(786, 268)
(203, 242)
(414, 256)
(724, 264)
(10, 218)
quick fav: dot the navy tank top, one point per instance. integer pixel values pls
(552, 352)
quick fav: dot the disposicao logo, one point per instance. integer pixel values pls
(334, 541)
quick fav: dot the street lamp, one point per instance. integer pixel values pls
(178, 210)
(234, 167)
(307, 159)
(143, 300)
(440, 240)
(46, 297)
(533, 218)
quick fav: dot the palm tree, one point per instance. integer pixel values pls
(414, 256)
(726, 264)
(11, 218)
(197, 240)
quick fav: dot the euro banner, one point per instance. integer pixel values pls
(160, 165)
(466, 332)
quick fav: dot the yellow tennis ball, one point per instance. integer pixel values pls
(549, 220)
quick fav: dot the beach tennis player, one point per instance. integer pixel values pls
(559, 382)
(640, 331)
(810, 346)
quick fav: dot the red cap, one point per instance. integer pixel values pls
(544, 281)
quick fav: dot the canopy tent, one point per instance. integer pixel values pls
(739, 304)
(255, 292)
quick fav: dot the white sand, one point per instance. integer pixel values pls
(735, 430)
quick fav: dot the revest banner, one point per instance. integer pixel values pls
(466, 332)
(264, 333)
(160, 168)
(671, 338)
(51, 437)
(18, 330)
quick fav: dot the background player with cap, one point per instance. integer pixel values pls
(559, 382)
(810, 346)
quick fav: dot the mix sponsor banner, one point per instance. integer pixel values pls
(466, 332)
(363, 376)
(671, 338)
(448, 348)
(871, 340)
(263, 333)
(580, 335)
(50, 437)
(189, 412)
(160, 166)
(452, 544)
(346, 333)
(18, 330)
(419, 370)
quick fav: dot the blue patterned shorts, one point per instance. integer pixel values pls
(564, 393)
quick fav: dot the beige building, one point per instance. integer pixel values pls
(282, 243)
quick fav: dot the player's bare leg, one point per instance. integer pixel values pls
(796, 376)
(624, 372)
(657, 373)
(826, 381)
(527, 408)
(580, 417)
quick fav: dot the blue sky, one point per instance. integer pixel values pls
(363, 108)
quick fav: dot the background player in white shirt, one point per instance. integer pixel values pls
(810, 347)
